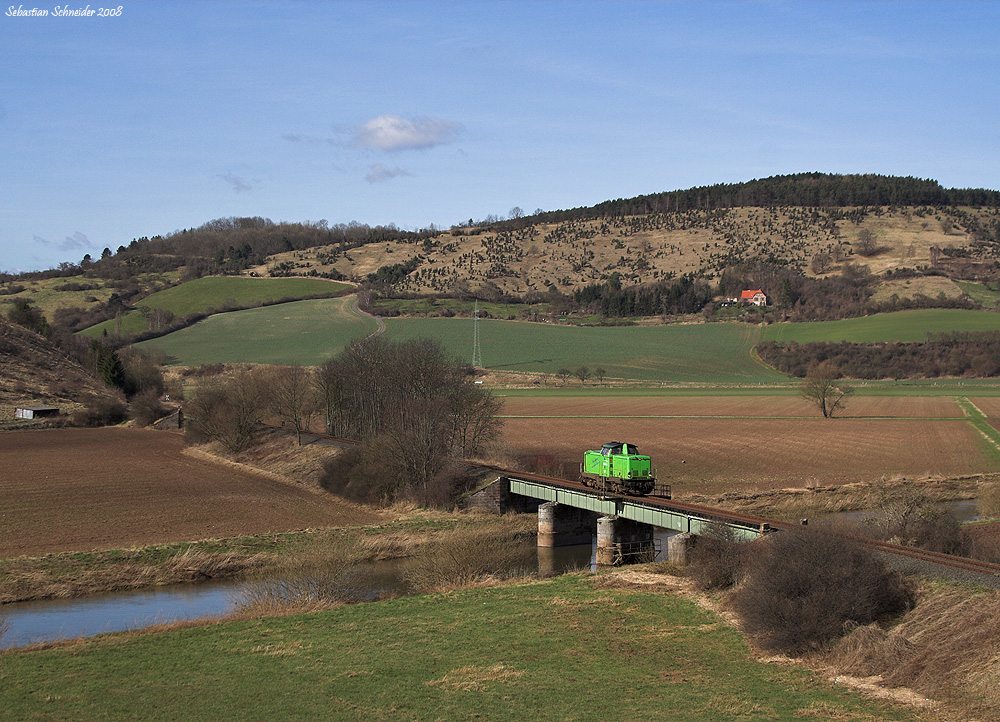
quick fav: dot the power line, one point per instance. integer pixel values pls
(477, 353)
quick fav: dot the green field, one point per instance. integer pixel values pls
(561, 649)
(982, 294)
(303, 332)
(308, 332)
(205, 294)
(898, 326)
(703, 353)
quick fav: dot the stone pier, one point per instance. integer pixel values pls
(560, 525)
(623, 541)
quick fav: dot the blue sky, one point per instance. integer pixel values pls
(413, 113)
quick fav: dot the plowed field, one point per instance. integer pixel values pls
(988, 405)
(746, 406)
(82, 489)
(710, 455)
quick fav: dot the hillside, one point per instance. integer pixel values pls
(913, 235)
(642, 248)
(37, 373)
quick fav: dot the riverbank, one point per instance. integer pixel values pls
(75, 574)
(581, 646)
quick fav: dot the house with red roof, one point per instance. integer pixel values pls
(757, 298)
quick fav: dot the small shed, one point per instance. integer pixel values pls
(35, 412)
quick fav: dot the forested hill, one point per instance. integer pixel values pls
(822, 190)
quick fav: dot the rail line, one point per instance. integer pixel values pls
(714, 513)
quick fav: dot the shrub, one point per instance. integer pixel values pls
(803, 586)
(100, 411)
(146, 408)
(717, 559)
(467, 556)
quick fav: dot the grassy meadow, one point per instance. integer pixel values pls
(302, 332)
(898, 326)
(705, 353)
(566, 648)
(205, 294)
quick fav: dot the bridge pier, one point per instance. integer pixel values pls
(561, 525)
(623, 541)
(678, 546)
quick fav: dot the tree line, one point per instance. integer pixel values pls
(974, 354)
(822, 190)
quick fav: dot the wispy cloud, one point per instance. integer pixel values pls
(380, 174)
(393, 133)
(77, 242)
(308, 139)
(239, 184)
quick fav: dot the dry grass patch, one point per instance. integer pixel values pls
(474, 678)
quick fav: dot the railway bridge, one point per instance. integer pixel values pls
(567, 511)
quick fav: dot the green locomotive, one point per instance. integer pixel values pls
(620, 468)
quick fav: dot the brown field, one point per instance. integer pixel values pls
(988, 405)
(743, 406)
(716, 455)
(83, 489)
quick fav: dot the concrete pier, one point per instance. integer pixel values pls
(623, 541)
(678, 547)
(560, 525)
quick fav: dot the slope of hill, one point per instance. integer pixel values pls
(573, 253)
(203, 295)
(36, 373)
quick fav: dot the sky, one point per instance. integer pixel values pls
(166, 115)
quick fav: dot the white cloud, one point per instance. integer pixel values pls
(380, 174)
(238, 183)
(392, 133)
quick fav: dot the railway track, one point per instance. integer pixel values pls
(907, 558)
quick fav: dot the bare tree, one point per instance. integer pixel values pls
(582, 373)
(563, 374)
(820, 387)
(229, 410)
(866, 245)
(600, 372)
(292, 397)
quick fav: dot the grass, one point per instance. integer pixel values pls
(205, 294)
(710, 353)
(898, 326)
(569, 648)
(303, 332)
(981, 293)
(43, 294)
